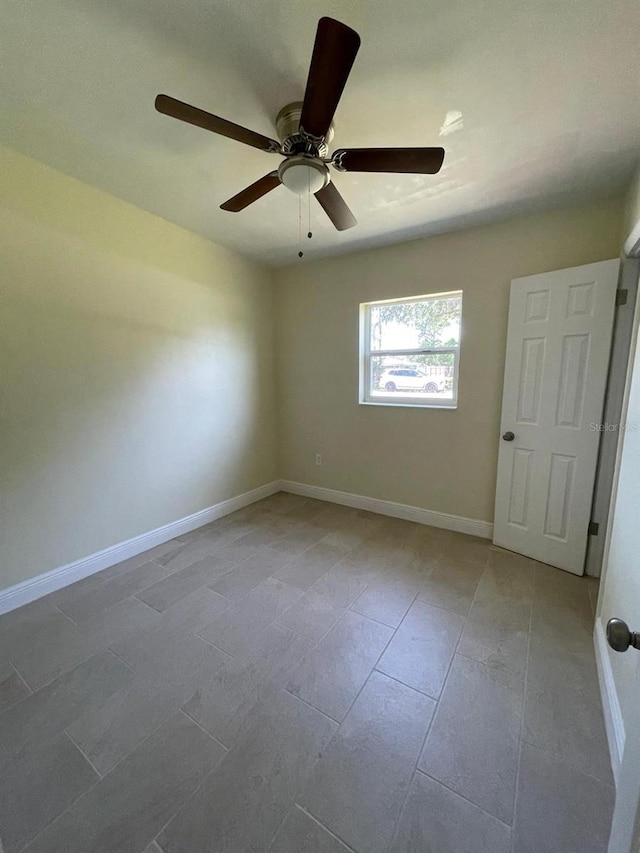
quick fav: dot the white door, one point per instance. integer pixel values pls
(558, 345)
(625, 826)
(620, 598)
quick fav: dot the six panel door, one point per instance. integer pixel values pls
(557, 356)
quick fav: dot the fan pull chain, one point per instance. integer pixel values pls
(300, 253)
(309, 234)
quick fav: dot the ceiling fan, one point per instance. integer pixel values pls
(305, 129)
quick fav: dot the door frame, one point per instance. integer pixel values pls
(612, 413)
(630, 256)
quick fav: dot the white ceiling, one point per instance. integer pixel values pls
(548, 91)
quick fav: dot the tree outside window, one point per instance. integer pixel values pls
(410, 350)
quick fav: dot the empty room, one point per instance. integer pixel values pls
(319, 427)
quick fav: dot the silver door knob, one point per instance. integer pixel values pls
(620, 637)
(508, 436)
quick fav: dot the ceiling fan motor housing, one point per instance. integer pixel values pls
(292, 140)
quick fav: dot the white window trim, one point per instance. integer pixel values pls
(365, 353)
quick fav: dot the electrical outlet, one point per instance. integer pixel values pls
(318, 458)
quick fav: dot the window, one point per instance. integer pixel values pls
(410, 351)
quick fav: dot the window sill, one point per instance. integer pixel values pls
(404, 404)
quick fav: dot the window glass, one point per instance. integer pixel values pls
(410, 351)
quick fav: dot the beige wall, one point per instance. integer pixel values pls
(124, 339)
(136, 371)
(436, 459)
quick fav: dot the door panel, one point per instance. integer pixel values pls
(573, 374)
(520, 479)
(530, 381)
(559, 496)
(555, 375)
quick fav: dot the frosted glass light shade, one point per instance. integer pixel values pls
(302, 178)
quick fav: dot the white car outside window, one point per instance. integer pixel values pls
(409, 379)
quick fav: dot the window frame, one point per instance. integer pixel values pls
(365, 397)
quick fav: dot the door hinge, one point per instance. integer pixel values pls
(593, 528)
(621, 297)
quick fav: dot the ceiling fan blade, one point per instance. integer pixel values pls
(421, 161)
(336, 207)
(252, 193)
(334, 52)
(178, 109)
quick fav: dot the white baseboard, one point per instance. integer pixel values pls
(613, 721)
(30, 590)
(459, 523)
(34, 588)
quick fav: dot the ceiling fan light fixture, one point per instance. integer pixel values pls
(303, 174)
(305, 129)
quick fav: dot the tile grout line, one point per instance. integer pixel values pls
(213, 645)
(568, 763)
(373, 668)
(84, 755)
(524, 704)
(404, 684)
(181, 710)
(125, 757)
(164, 826)
(326, 828)
(394, 628)
(99, 611)
(313, 708)
(466, 619)
(20, 699)
(339, 724)
(66, 615)
(51, 681)
(274, 621)
(466, 799)
(287, 560)
(348, 609)
(24, 681)
(322, 826)
(202, 556)
(97, 650)
(345, 610)
(66, 734)
(293, 630)
(187, 799)
(139, 744)
(68, 808)
(123, 662)
(150, 606)
(488, 666)
(416, 769)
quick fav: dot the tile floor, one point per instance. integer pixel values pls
(300, 676)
